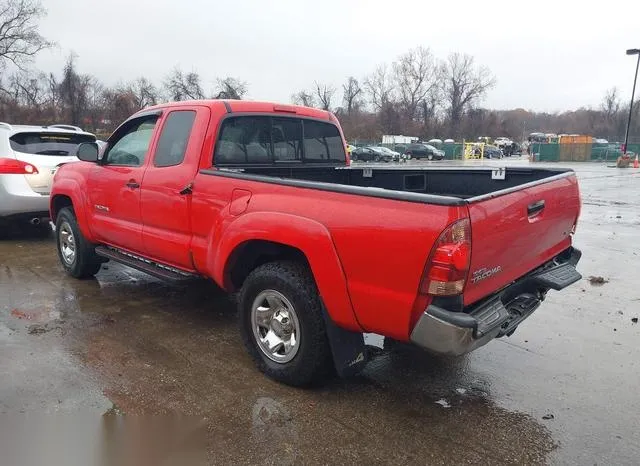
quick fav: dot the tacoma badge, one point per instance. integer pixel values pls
(484, 272)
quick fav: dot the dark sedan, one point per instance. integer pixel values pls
(371, 154)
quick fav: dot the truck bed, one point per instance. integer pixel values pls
(518, 223)
(451, 182)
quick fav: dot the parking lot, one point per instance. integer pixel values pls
(561, 390)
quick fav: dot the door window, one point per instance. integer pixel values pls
(130, 144)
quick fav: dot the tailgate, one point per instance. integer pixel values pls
(514, 233)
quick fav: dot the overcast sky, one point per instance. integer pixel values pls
(547, 55)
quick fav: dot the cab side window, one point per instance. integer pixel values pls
(174, 138)
(130, 144)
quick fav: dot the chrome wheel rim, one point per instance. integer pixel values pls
(67, 244)
(275, 325)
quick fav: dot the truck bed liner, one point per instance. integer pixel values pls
(460, 183)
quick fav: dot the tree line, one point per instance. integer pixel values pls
(417, 94)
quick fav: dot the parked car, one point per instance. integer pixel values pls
(237, 192)
(29, 156)
(424, 151)
(371, 154)
(396, 156)
(492, 152)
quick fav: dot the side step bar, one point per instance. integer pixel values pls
(160, 271)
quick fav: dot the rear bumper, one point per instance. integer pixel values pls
(448, 332)
(17, 197)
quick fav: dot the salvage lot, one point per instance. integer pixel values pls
(562, 389)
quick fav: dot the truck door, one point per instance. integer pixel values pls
(114, 184)
(168, 184)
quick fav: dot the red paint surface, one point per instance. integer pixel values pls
(367, 254)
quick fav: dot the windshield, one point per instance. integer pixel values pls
(48, 143)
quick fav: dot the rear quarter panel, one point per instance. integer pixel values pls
(381, 245)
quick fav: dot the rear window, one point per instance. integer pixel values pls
(322, 142)
(267, 140)
(48, 143)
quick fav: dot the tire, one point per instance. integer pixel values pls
(429, 157)
(76, 254)
(376, 158)
(310, 360)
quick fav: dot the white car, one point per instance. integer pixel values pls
(29, 157)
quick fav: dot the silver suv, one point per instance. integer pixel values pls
(29, 157)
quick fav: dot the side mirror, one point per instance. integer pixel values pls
(88, 152)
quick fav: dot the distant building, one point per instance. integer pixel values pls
(393, 139)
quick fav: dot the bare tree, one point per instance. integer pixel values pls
(464, 84)
(416, 75)
(380, 87)
(183, 86)
(304, 98)
(611, 104)
(73, 91)
(20, 40)
(144, 92)
(325, 93)
(352, 94)
(231, 88)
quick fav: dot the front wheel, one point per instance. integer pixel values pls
(282, 323)
(76, 254)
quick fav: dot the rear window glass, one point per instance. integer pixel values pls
(48, 143)
(322, 141)
(244, 140)
(268, 140)
(287, 139)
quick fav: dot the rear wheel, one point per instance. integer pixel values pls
(429, 157)
(376, 158)
(76, 254)
(282, 325)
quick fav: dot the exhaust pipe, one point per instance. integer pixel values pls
(34, 221)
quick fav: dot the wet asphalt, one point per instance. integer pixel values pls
(562, 390)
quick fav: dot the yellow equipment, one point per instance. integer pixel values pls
(474, 150)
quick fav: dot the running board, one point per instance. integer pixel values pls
(161, 271)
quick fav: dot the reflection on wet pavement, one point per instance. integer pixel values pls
(128, 340)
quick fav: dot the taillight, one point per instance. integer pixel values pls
(16, 167)
(448, 266)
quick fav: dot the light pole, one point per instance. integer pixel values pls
(626, 134)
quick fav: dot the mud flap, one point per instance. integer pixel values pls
(347, 348)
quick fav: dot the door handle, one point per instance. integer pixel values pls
(188, 189)
(535, 208)
(133, 184)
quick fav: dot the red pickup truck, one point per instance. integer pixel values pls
(261, 199)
